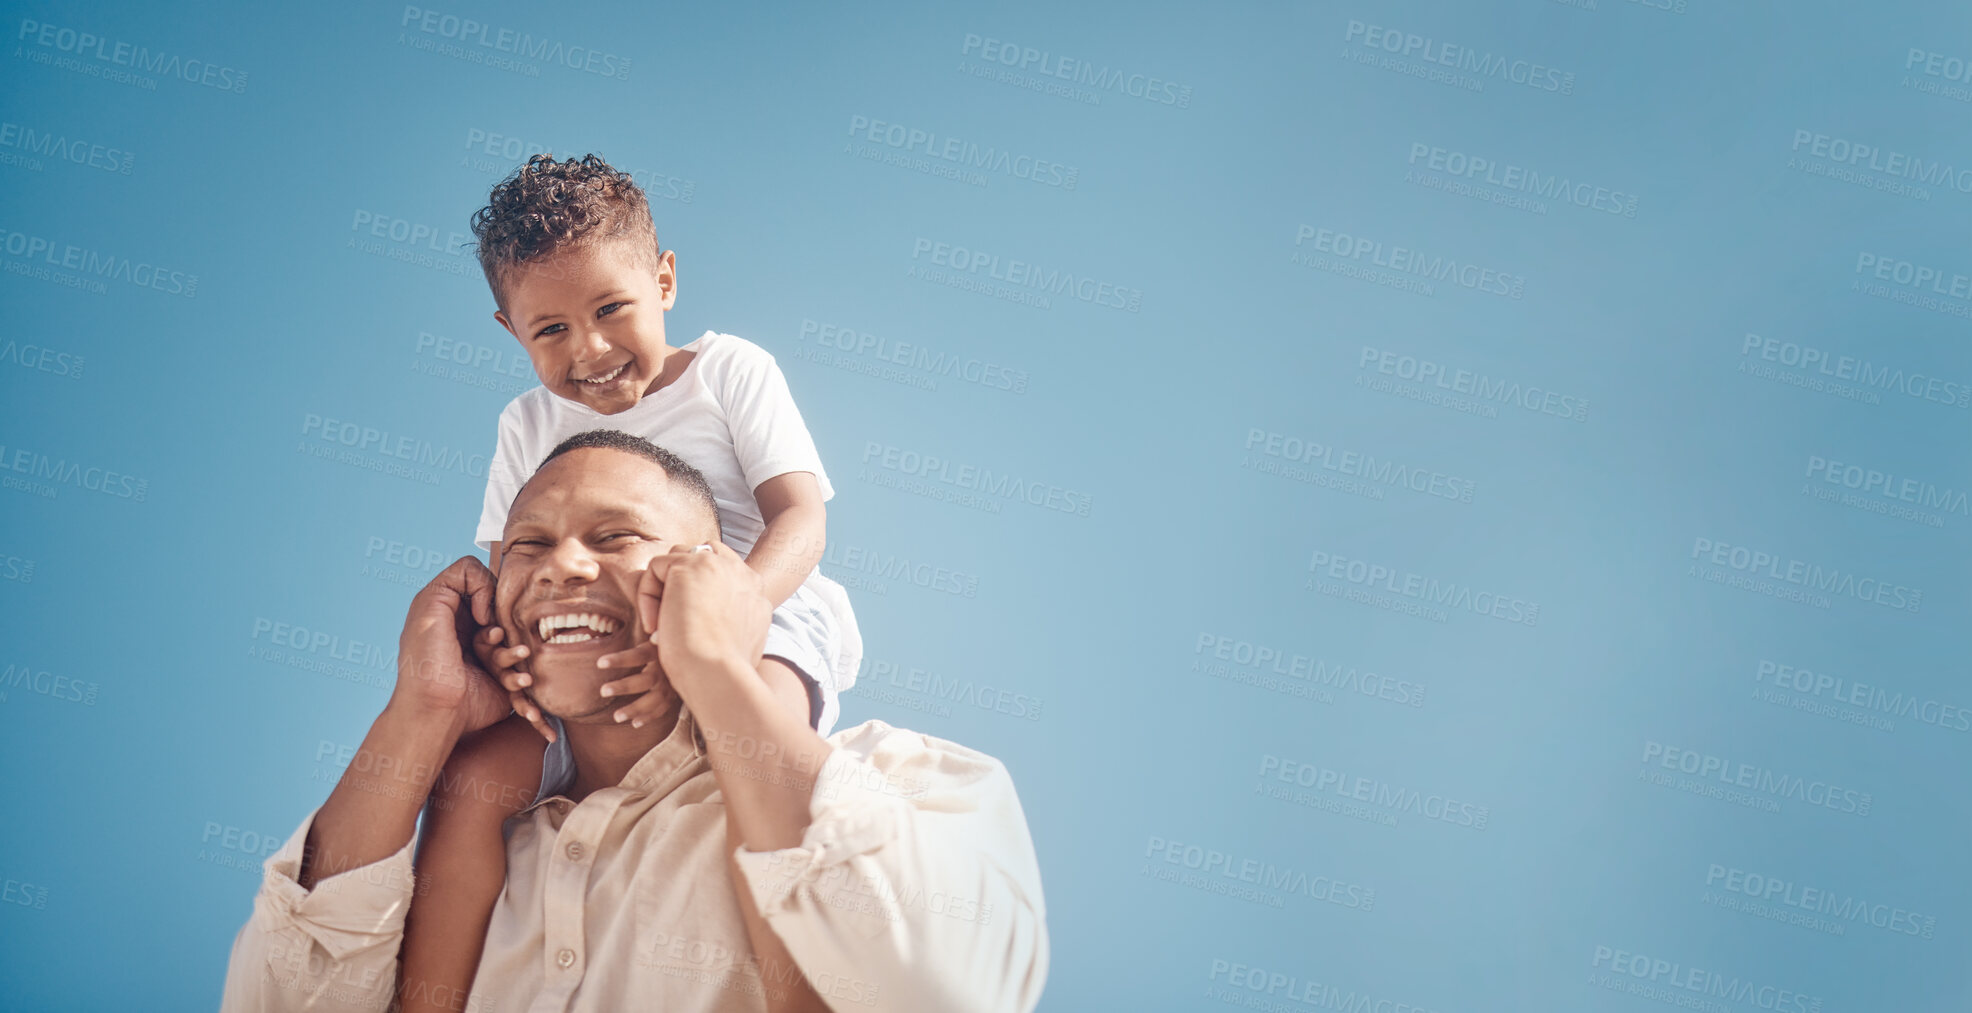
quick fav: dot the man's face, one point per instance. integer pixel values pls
(592, 321)
(579, 537)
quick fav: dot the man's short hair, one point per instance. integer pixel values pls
(691, 479)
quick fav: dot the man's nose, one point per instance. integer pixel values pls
(569, 562)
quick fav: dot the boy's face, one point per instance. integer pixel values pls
(592, 320)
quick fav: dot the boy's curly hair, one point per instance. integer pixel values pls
(546, 206)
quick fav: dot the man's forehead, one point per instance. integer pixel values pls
(589, 484)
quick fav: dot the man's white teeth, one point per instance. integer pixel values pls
(581, 626)
(606, 377)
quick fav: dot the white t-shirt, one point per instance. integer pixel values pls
(729, 414)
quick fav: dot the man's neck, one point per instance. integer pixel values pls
(604, 751)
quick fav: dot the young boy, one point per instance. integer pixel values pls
(571, 254)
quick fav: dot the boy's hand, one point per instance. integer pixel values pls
(648, 680)
(504, 664)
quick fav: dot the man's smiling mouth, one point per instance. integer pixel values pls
(575, 627)
(599, 380)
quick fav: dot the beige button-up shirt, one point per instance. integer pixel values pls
(915, 888)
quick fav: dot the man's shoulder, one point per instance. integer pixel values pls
(901, 751)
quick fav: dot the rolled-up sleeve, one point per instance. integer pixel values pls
(915, 886)
(330, 948)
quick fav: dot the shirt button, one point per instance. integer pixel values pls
(565, 958)
(574, 851)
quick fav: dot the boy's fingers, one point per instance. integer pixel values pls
(633, 684)
(644, 708)
(635, 657)
(526, 709)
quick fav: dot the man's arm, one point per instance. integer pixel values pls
(329, 917)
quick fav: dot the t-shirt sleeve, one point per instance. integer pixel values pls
(503, 480)
(769, 437)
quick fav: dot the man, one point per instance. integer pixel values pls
(720, 857)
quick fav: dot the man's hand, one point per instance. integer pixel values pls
(505, 664)
(437, 671)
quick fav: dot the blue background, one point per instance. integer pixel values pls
(161, 739)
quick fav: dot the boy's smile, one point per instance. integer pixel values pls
(591, 319)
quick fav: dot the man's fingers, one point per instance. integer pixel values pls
(476, 584)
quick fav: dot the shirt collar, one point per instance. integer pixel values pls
(678, 758)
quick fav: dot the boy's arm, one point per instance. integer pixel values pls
(791, 546)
